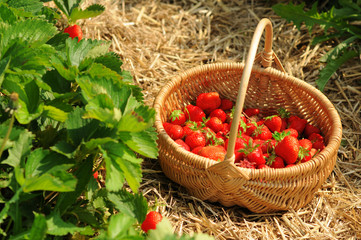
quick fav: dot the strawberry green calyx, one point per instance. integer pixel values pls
(283, 113)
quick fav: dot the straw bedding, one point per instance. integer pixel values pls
(158, 39)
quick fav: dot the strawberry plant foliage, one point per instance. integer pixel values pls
(67, 110)
(338, 22)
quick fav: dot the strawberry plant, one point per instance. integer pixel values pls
(70, 117)
(339, 22)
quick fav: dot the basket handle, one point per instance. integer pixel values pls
(267, 57)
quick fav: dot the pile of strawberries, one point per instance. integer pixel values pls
(276, 141)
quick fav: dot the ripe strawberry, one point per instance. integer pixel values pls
(256, 156)
(250, 128)
(226, 104)
(310, 155)
(181, 143)
(194, 113)
(175, 131)
(177, 117)
(239, 144)
(292, 132)
(196, 139)
(196, 150)
(276, 162)
(208, 101)
(274, 123)
(262, 132)
(309, 129)
(215, 124)
(288, 149)
(189, 128)
(219, 113)
(95, 174)
(74, 31)
(213, 152)
(151, 221)
(319, 145)
(297, 123)
(251, 111)
(305, 143)
(315, 137)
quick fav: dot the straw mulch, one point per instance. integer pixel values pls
(158, 39)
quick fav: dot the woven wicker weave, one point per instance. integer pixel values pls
(266, 87)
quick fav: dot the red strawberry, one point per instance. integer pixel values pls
(219, 113)
(309, 129)
(251, 111)
(95, 175)
(151, 221)
(226, 104)
(250, 128)
(208, 101)
(215, 124)
(310, 155)
(319, 145)
(175, 131)
(195, 113)
(292, 132)
(181, 143)
(288, 149)
(305, 143)
(213, 152)
(239, 144)
(276, 162)
(196, 150)
(297, 123)
(315, 137)
(256, 156)
(74, 31)
(196, 139)
(262, 132)
(274, 123)
(177, 117)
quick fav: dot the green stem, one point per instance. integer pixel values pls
(7, 134)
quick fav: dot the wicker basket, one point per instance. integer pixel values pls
(266, 87)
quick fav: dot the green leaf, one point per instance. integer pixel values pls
(58, 181)
(163, 231)
(80, 129)
(6, 14)
(83, 174)
(121, 163)
(21, 147)
(34, 31)
(78, 51)
(4, 65)
(65, 149)
(336, 51)
(111, 60)
(101, 108)
(137, 120)
(55, 113)
(119, 225)
(33, 6)
(143, 142)
(296, 14)
(134, 205)
(39, 228)
(42, 161)
(331, 67)
(56, 226)
(67, 6)
(91, 11)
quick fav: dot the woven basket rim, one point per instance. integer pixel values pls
(332, 144)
